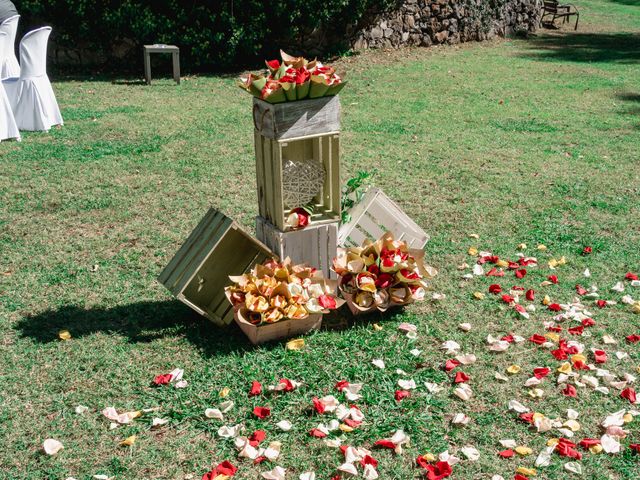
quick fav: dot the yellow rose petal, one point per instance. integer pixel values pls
(64, 335)
(628, 418)
(296, 344)
(553, 263)
(429, 457)
(473, 251)
(546, 300)
(565, 368)
(553, 336)
(522, 450)
(595, 449)
(502, 264)
(474, 235)
(127, 442)
(537, 416)
(478, 295)
(377, 327)
(536, 393)
(562, 261)
(528, 472)
(578, 357)
(542, 247)
(522, 246)
(346, 428)
(224, 392)
(636, 307)
(513, 369)
(552, 442)
(572, 425)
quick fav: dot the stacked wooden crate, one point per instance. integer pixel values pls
(308, 130)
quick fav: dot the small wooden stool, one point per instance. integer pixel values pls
(161, 48)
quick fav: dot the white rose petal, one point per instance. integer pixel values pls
(52, 446)
(378, 362)
(277, 473)
(471, 453)
(213, 413)
(80, 409)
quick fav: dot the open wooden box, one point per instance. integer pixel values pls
(376, 214)
(199, 272)
(315, 245)
(308, 130)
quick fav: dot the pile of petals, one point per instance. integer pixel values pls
(293, 78)
(382, 274)
(275, 291)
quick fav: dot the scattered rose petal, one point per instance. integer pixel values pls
(52, 446)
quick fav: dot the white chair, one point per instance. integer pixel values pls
(8, 127)
(31, 96)
(9, 67)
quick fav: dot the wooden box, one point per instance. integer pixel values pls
(376, 214)
(315, 245)
(270, 157)
(288, 120)
(200, 270)
(279, 330)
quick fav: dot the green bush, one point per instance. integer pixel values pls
(212, 35)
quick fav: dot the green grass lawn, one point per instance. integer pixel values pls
(533, 141)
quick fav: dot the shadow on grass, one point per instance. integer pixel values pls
(139, 322)
(633, 106)
(633, 3)
(586, 47)
(148, 321)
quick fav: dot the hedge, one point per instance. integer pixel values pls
(212, 35)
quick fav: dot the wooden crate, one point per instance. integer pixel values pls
(376, 214)
(279, 330)
(200, 270)
(315, 245)
(270, 155)
(302, 118)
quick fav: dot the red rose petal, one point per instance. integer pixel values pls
(530, 295)
(521, 273)
(553, 279)
(570, 391)
(262, 412)
(256, 389)
(541, 372)
(507, 453)
(629, 394)
(461, 377)
(314, 432)
(495, 288)
(402, 394)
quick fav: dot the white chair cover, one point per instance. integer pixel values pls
(8, 127)
(9, 67)
(31, 96)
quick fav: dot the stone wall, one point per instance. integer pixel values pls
(429, 22)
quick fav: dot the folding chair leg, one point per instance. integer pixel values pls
(577, 19)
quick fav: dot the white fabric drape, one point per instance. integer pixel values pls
(9, 67)
(8, 127)
(31, 96)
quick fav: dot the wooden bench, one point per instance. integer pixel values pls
(555, 10)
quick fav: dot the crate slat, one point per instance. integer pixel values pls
(296, 119)
(375, 214)
(198, 273)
